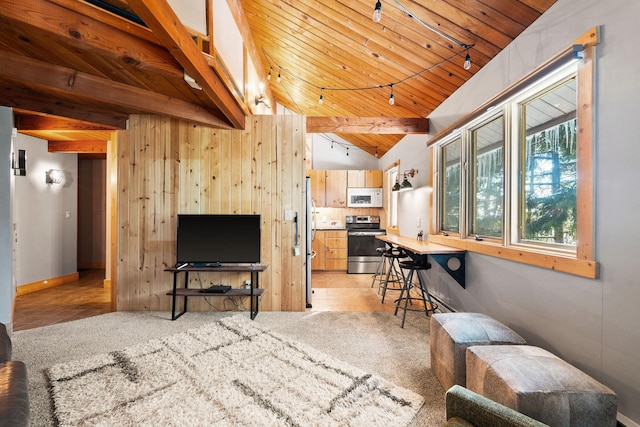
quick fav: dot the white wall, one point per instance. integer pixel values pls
(46, 244)
(325, 157)
(590, 323)
(7, 288)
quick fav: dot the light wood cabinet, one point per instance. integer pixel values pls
(318, 179)
(317, 245)
(329, 187)
(336, 189)
(331, 250)
(371, 178)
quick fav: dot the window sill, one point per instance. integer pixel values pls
(565, 264)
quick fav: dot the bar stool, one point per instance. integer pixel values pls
(423, 294)
(394, 278)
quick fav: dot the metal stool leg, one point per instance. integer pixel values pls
(421, 287)
(380, 270)
(399, 276)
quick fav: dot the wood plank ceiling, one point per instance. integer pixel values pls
(71, 59)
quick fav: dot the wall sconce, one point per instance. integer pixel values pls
(19, 165)
(405, 185)
(54, 176)
(261, 99)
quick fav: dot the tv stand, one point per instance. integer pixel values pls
(254, 292)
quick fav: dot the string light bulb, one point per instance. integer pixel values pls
(467, 61)
(377, 12)
(269, 75)
(392, 98)
(278, 78)
(321, 99)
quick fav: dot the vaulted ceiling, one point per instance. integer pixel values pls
(74, 59)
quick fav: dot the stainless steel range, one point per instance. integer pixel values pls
(362, 243)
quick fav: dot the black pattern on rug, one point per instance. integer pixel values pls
(232, 372)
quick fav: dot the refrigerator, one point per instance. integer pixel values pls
(310, 236)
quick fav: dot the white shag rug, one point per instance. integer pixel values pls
(233, 372)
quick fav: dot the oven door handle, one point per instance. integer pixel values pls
(366, 233)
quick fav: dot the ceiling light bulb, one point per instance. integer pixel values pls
(392, 98)
(467, 62)
(377, 12)
(321, 99)
(269, 75)
(278, 78)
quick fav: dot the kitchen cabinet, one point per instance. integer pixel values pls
(371, 178)
(318, 179)
(331, 250)
(329, 187)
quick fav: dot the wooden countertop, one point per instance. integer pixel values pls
(419, 247)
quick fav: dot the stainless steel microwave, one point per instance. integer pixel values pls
(364, 197)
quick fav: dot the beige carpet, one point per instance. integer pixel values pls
(373, 342)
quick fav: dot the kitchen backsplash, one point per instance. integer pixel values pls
(333, 218)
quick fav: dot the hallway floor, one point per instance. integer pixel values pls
(332, 291)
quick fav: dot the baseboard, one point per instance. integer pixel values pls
(91, 265)
(626, 422)
(106, 283)
(46, 284)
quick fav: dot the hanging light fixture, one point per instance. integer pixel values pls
(269, 75)
(278, 78)
(396, 186)
(392, 97)
(406, 185)
(321, 99)
(467, 61)
(377, 12)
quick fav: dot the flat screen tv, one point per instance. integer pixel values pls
(218, 239)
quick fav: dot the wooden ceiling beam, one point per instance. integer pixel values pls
(18, 97)
(60, 80)
(88, 32)
(376, 125)
(77, 146)
(164, 23)
(31, 122)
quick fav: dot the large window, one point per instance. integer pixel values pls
(515, 180)
(487, 178)
(548, 144)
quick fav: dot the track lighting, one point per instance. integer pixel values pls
(467, 61)
(392, 99)
(377, 12)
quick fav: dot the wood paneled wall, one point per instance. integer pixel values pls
(167, 167)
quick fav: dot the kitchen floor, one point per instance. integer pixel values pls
(338, 291)
(332, 291)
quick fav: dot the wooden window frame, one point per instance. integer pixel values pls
(581, 262)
